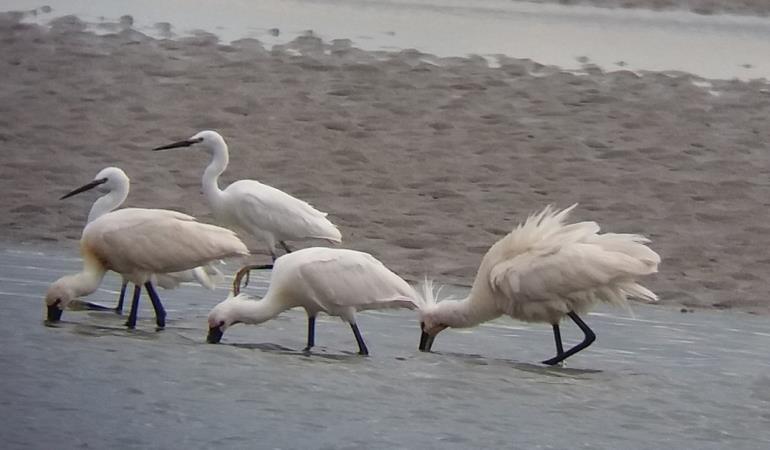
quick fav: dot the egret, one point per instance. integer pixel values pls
(138, 243)
(115, 184)
(543, 271)
(253, 208)
(338, 282)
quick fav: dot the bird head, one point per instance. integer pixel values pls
(221, 317)
(430, 326)
(207, 139)
(58, 296)
(431, 318)
(108, 179)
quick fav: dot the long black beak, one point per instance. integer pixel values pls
(85, 187)
(185, 143)
(54, 313)
(215, 335)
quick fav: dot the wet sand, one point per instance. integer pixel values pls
(422, 161)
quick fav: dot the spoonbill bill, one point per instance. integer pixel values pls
(543, 271)
(255, 209)
(338, 282)
(115, 185)
(138, 243)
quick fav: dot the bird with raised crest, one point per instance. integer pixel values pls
(543, 271)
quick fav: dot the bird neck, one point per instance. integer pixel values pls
(257, 311)
(218, 164)
(88, 280)
(464, 313)
(108, 202)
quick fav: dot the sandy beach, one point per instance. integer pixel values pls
(422, 161)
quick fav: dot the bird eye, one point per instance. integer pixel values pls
(57, 302)
(222, 323)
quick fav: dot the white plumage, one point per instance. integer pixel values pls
(138, 243)
(338, 282)
(545, 270)
(253, 208)
(115, 185)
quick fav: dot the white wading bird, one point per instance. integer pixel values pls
(138, 243)
(338, 282)
(255, 209)
(544, 270)
(115, 185)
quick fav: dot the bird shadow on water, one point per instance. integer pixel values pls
(92, 330)
(318, 354)
(266, 347)
(534, 368)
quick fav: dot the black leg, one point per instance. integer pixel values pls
(362, 350)
(119, 308)
(285, 247)
(131, 322)
(557, 338)
(590, 337)
(160, 313)
(310, 333)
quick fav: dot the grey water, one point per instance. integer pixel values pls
(659, 379)
(571, 37)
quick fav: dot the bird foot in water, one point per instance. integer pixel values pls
(554, 362)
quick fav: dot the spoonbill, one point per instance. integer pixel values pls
(543, 271)
(253, 208)
(115, 184)
(138, 243)
(338, 282)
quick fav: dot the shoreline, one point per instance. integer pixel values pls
(575, 38)
(422, 161)
(757, 8)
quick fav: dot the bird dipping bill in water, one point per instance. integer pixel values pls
(137, 243)
(543, 271)
(253, 208)
(338, 282)
(115, 184)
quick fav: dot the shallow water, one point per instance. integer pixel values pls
(662, 379)
(719, 46)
